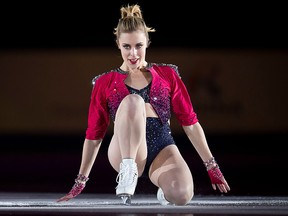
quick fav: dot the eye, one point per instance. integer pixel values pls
(139, 46)
(126, 46)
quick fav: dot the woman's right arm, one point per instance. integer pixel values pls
(98, 121)
(89, 153)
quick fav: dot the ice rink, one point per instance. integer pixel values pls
(109, 204)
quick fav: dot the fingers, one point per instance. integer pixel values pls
(225, 185)
(224, 188)
(61, 199)
(65, 198)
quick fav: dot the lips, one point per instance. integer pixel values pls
(133, 61)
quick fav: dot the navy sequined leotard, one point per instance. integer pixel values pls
(158, 135)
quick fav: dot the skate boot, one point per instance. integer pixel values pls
(161, 198)
(127, 180)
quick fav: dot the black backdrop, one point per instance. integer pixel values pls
(178, 23)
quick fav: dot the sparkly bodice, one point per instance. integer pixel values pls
(144, 92)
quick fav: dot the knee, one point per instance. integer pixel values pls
(133, 104)
(180, 195)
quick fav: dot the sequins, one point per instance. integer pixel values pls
(144, 92)
(158, 136)
(115, 98)
(161, 102)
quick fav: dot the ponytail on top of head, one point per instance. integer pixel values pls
(132, 20)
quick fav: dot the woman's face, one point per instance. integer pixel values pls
(133, 49)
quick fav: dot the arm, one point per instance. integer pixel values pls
(197, 137)
(89, 153)
(98, 121)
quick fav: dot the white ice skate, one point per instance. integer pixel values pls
(161, 198)
(127, 180)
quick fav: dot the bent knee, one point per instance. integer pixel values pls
(180, 195)
(131, 106)
(133, 99)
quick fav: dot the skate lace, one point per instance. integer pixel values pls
(126, 175)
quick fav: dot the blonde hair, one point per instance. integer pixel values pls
(132, 20)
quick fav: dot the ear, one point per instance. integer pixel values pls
(148, 43)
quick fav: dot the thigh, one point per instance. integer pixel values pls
(170, 167)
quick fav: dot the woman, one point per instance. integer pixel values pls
(139, 97)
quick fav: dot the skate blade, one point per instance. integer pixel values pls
(126, 199)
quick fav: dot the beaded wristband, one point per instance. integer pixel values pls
(81, 178)
(79, 185)
(209, 162)
(214, 172)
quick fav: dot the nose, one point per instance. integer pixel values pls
(133, 51)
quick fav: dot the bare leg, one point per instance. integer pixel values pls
(129, 139)
(170, 172)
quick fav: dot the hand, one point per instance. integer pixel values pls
(75, 191)
(65, 198)
(217, 179)
(77, 188)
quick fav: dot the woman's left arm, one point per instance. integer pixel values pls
(197, 137)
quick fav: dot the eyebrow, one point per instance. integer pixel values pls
(140, 43)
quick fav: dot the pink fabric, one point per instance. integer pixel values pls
(76, 189)
(167, 94)
(215, 175)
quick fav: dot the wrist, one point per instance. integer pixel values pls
(211, 163)
(79, 185)
(81, 179)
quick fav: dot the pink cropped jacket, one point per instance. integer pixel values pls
(167, 94)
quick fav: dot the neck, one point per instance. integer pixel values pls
(141, 68)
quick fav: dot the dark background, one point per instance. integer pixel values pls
(209, 25)
(49, 162)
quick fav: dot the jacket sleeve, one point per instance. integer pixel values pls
(98, 115)
(180, 100)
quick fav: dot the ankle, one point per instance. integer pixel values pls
(128, 161)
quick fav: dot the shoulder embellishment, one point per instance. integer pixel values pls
(118, 70)
(173, 66)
